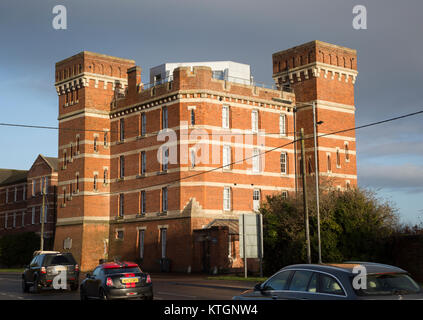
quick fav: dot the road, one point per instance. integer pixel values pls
(165, 287)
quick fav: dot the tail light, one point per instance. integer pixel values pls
(76, 268)
(109, 282)
(148, 279)
(43, 270)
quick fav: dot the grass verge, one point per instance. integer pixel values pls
(11, 270)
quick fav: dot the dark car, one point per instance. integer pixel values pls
(336, 282)
(46, 266)
(117, 280)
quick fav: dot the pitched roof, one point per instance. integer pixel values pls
(11, 176)
(53, 162)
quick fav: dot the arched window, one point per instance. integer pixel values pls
(329, 163)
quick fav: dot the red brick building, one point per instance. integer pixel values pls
(228, 143)
(21, 198)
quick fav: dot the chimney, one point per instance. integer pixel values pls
(134, 79)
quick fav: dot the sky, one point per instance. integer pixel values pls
(390, 65)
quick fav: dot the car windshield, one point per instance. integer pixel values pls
(58, 259)
(389, 284)
(122, 270)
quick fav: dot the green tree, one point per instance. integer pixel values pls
(355, 225)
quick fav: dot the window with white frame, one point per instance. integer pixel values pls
(256, 199)
(347, 154)
(105, 140)
(227, 199)
(254, 120)
(329, 163)
(105, 176)
(256, 160)
(192, 116)
(95, 182)
(225, 117)
(192, 158)
(95, 144)
(284, 194)
(284, 162)
(338, 158)
(282, 124)
(226, 157)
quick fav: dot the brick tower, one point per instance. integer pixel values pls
(325, 74)
(86, 84)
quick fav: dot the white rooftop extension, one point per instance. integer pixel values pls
(223, 70)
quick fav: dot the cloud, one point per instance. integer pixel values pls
(405, 177)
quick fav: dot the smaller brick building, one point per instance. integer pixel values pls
(21, 198)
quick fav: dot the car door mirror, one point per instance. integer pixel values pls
(258, 286)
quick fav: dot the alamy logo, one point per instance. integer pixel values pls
(360, 280)
(59, 281)
(360, 20)
(60, 20)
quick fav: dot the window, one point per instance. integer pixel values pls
(338, 158)
(122, 167)
(192, 158)
(105, 140)
(163, 235)
(192, 117)
(119, 234)
(46, 184)
(312, 286)
(34, 182)
(164, 200)
(143, 163)
(283, 162)
(7, 195)
(256, 199)
(282, 124)
(15, 198)
(77, 183)
(227, 199)
(347, 155)
(143, 204)
(14, 220)
(226, 157)
(164, 118)
(65, 159)
(33, 215)
(329, 163)
(256, 160)
(165, 158)
(5, 220)
(122, 129)
(105, 176)
(95, 144)
(121, 204)
(348, 185)
(41, 185)
(143, 124)
(77, 144)
(254, 120)
(278, 281)
(141, 235)
(300, 280)
(95, 183)
(225, 117)
(23, 218)
(284, 194)
(330, 286)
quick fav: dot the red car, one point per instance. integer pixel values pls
(117, 280)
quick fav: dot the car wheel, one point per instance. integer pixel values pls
(25, 287)
(102, 294)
